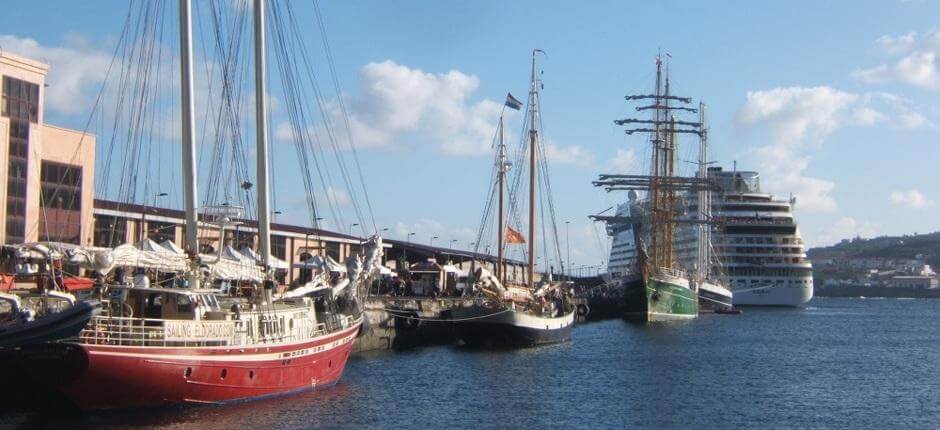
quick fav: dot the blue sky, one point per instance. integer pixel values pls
(831, 101)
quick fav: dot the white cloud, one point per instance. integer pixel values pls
(75, 72)
(917, 63)
(844, 228)
(623, 161)
(572, 154)
(897, 44)
(910, 199)
(796, 117)
(399, 103)
(799, 119)
(338, 197)
(911, 120)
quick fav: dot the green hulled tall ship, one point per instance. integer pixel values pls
(656, 289)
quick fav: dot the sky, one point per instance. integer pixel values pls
(833, 102)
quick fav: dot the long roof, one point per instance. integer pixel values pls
(180, 215)
(437, 250)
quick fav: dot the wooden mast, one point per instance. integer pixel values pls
(533, 138)
(501, 171)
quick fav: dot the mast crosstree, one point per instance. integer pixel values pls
(662, 184)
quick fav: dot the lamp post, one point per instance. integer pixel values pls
(143, 216)
(316, 224)
(351, 227)
(432, 240)
(565, 267)
(408, 244)
(453, 242)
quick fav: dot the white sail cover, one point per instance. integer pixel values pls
(232, 269)
(128, 255)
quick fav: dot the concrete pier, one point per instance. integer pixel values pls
(406, 322)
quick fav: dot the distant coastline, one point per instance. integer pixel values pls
(880, 291)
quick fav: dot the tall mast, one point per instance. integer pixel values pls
(533, 138)
(190, 193)
(654, 165)
(501, 166)
(264, 212)
(704, 199)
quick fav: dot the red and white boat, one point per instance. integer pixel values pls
(184, 346)
(163, 346)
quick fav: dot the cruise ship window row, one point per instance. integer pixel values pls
(763, 250)
(761, 240)
(765, 260)
(768, 272)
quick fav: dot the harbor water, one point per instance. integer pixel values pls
(837, 363)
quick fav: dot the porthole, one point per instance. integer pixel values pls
(224, 374)
(188, 372)
(330, 364)
(251, 374)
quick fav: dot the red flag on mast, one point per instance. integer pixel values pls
(513, 236)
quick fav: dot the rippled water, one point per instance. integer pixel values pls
(838, 363)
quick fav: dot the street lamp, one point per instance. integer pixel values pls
(143, 216)
(452, 243)
(316, 224)
(567, 263)
(351, 227)
(408, 244)
(432, 240)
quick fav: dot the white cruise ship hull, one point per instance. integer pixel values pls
(786, 296)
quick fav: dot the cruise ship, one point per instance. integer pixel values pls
(758, 250)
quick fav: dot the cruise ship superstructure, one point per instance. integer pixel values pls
(758, 250)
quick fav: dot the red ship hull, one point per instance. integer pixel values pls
(117, 377)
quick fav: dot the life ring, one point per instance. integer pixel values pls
(583, 310)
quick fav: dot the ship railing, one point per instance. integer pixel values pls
(675, 273)
(131, 331)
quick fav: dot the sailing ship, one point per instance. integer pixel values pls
(156, 345)
(658, 289)
(509, 314)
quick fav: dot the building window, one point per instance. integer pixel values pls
(19, 100)
(332, 249)
(16, 181)
(110, 231)
(161, 231)
(60, 202)
(239, 239)
(279, 247)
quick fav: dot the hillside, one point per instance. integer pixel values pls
(908, 246)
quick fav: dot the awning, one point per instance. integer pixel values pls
(169, 244)
(273, 262)
(322, 264)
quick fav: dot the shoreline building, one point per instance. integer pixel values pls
(48, 174)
